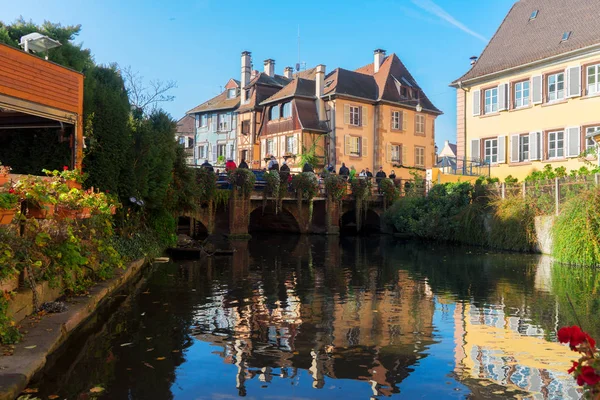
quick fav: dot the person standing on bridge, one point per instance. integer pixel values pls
(284, 172)
(308, 168)
(344, 171)
(380, 175)
(243, 164)
(368, 173)
(352, 172)
(207, 166)
(273, 164)
(230, 165)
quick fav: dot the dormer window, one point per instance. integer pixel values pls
(566, 36)
(231, 93)
(274, 115)
(328, 83)
(533, 15)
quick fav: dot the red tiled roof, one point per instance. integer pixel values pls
(520, 41)
(186, 125)
(219, 102)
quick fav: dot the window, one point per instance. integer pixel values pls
(222, 150)
(223, 122)
(556, 86)
(244, 156)
(231, 93)
(491, 101)
(556, 144)
(270, 147)
(182, 140)
(490, 147)
(419, 156)
(403, 92)
(593, 79)
(204, 120)
(274, 114)
(328, 83)
(245, 127)
(521, 94)
(589, 142)
(354, 145)
(289, 144)
(202, 152)
(524, 148)
(397, 120)
(190, 142)
(355, 116)
(566, 36)
(286, 111)
(395, 150)
(248, 93)
(533, 15)
(419, 124)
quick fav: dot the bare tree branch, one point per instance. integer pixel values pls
(146, 98)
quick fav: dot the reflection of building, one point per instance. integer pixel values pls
(367, 332)
(498, 344)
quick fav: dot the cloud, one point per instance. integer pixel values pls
(439, 12)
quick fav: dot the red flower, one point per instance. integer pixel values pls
(11, 190)
(574, 367)
(588, 375)
(575, 336)
(65, 168)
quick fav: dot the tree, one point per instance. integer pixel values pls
(144, 98)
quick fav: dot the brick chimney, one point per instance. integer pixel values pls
(245, 79)
(288, 72)
(319, 88)
(378, 57)
(270, 67)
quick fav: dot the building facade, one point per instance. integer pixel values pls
(185, 137)
(532, 98)
(380, 117)
(216, 126)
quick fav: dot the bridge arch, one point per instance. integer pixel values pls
(370, 222)
(267, 219)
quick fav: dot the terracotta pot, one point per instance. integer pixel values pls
(84, 213)
(6, 216)
(44, 212)
(4, 180)
(71, 184)
(63, 212)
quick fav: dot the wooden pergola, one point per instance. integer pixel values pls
(35, 93)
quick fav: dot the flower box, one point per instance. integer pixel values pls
(6, 216)
(63, 212)
(46, 211)
(85, 212)
(73, 184)
(4, 180)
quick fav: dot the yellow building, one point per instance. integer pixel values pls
(533, 97)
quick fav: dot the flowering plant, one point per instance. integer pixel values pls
(587, 370)
(4, 169)
(336, 187)
(67, 174)
(36, 191)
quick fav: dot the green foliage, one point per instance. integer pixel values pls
(9, 333)
(510, 179)
(309, 154)
(335, 186)
(67, 174)
(207, 184)
(512, 225)
(486, 180)
(165, 226)
(221, 160)
(184, 191)
(8, 201)
(306, 185)
(576, 231)
(272, 183)
(389, 191)
(242, 181)
(37, 191)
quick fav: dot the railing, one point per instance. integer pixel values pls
(464, 166)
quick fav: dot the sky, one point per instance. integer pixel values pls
(197, 43)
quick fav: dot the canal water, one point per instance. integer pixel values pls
(310, 317)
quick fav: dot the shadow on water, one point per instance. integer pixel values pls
(318, 317)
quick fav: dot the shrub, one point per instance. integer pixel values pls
(335, 186)
(576, 231)
(512, 225)
(306, 185)
(389, 190)
(242, 180)
(272, 182)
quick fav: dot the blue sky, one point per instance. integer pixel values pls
(198, 42)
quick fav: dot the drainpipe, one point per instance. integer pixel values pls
(460, 86)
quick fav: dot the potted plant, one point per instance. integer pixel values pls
(39, 195)
(69, 204)
(8, 207)
(73, 178)
(4, 171)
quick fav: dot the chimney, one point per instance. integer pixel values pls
(378, 56)
(288, 72)
(270, 67)
(246, 66)
(319, 87)
(253, 74)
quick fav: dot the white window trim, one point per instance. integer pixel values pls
(491, 111)
(355, 110)
(358, 146)
(521, 158)
(396, 122)
(597, 84)
(564, 89)
(523, 98)
(395, 148)
(588, 130)
(556, 157)
(492, 147)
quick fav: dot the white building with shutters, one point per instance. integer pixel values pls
(216, 126)
(533, 97)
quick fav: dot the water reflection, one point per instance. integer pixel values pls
(315, 317)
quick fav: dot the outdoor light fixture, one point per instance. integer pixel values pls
(37, 43)
(419, 108)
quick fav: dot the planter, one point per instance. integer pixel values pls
(46, 211)
(63, 212)
(71, 184)
(4, 179)
(85, 212)
(113, 210)
(6, 216)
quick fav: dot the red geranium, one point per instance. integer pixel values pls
(588, 375)
(65, 168)
(574, 336)
(574, 367)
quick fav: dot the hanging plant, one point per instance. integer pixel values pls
(272, 185)
(335, 187)
(389, 191)
(361, 190)
(207, 184)
(242, 180)
(306, 186)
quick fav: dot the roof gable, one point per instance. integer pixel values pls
(520, 41)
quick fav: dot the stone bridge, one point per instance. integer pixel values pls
(241, 216)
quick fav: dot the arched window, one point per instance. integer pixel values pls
(274, 113)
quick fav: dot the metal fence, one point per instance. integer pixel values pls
(464, 166)
(547, 195)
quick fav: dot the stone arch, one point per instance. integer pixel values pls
(189, 225)
(267, 220)
(370, 222)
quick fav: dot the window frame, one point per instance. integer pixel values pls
(522, 152)
(222, 125)
(270, 147)
(287, 144)
(491, 110)
(275, 110)
(492, 147)
(202, 153)
(420, 123)
(355, 113)
(397, 120)
(419, 149)
(587, 130)
(556, 140)
(224, 147)
(525, 100)
(358, 143)
(596, 75)
(284, 106)
(557, 91)
(398, 150)
(229, 93)
(203, 120)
